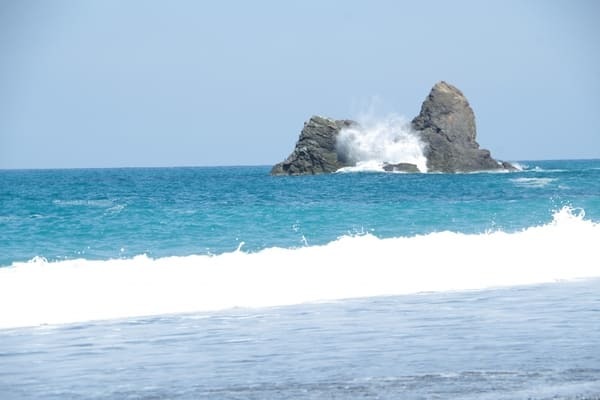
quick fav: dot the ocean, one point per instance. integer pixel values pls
(228, 283)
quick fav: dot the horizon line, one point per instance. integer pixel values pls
(230, 165)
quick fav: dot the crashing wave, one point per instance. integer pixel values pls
(372, 144)
(42, 292)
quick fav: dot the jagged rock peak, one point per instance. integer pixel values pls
(446, 124)
(447, 111)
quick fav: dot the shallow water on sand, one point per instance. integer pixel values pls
(529, 342)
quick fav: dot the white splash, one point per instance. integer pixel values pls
(41, 292)
(381, 140)
(519, 166)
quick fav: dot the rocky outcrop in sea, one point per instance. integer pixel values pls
(316, 151)
(446, 126)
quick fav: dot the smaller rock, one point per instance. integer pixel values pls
(316, 150)
(508, 166)
(400, 167)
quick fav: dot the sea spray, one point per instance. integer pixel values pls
(41, 292)
(376, 141)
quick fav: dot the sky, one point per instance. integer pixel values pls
(110, 83)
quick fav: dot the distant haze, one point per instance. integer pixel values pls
(151, 83)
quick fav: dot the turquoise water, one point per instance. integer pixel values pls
(115, 213)
(227, 283)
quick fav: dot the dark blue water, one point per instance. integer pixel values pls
(114, 213)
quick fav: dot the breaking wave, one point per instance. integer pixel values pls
(375, 142)
(39, 292)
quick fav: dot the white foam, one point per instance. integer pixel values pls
(364, 166)
(87, 203)
(377, 141)
(41, 292)
(519, 166)
(533, 182)
(540, 169)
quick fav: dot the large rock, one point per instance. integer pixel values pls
(447, 126)
(315, 151)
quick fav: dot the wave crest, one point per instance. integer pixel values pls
(40, 292)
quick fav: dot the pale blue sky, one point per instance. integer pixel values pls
(172, 83)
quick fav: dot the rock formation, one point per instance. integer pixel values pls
(446, 125)
(315, 151)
